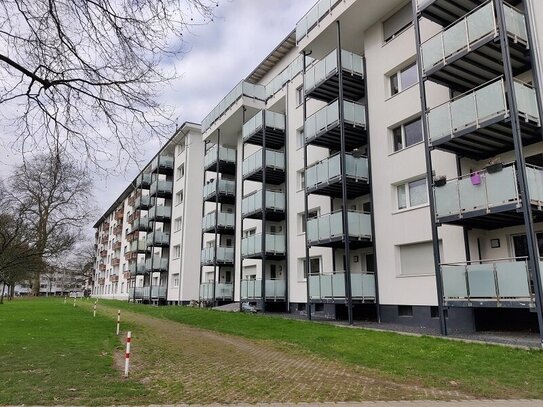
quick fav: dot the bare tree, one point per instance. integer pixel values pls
(85, 75)
(55, 197)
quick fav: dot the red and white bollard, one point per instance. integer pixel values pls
(127, 354)
(118, 321)
(94, 310)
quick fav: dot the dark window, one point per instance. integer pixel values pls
(405, 310)
(366, 207)
(434, 312)
(319, 307)
(273, 271)
(369, 262)
(413, 132)
(397, 137)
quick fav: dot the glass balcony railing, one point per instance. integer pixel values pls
(252, 289)
(290, 72)
(275, 201)
(153, 292)
(206, 291)
(313, 17)
(161, 187)
(158, 238)
(488, 280)
(225, 155)
(140, 224)
(328, 67)
(142, 202)
(330, 226)
(138, 245)
(144, 180)
(274, 160)
(136, 292)
(243, 88)
(224, 291)
(329, 169)
(255, 124)
(331, 286)
(465, 32)
(473, 109)
(156, 263)
(484, 191)
(138, 267)
(252, 245)
(327, 118)
(226, 187)
(159, 211)
(224, 255)
(162, 162)
(223, 220)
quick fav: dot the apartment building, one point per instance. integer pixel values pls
(144, 249)
(383, 162)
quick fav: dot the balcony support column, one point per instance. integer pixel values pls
(429, 175)
(242, 218)
(533, 250)
(216, 219)
(344, 204)
(306, 210)
(264, 223)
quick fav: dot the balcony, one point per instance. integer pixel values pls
(132, 236)
(143, 202)
(118, 230)
(323, 128)
(101, 281)
(276, 290)
(132, 198)
(313, 17)
(286, 75)
(140, 224)
(133, 216)
(115, 261)
(163, 165)
(223, 222)
(117, 245)
(158, 239)
(324, 177)
(103, 253)
(114, 278)
(224, 291)
(477, 124)
(119, 214)
(225, 255)
(137, 267)
(251, 246)
(488, 283)
(160, 213)
(105, 226)
(102, 267)
(136, 293)
(270, 122)
(251, 205)
(226, 191)
(156, 264)
(127, 275)
(242, 90)
(154, 292)
(463, 55)
(275, 167)
(138, 246)
(487, 199)
(161, 189)
(104, 239)
(144, 181)
(327, 230)
(322, 79)
(226, 158)
(330, 287)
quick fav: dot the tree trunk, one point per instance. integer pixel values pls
(11, 291)
(2, 292)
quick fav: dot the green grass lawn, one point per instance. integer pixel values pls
(53, 353)
(488, 371)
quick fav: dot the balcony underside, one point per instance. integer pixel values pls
(269, 256)
(273, 176)
(355, 136)
(446, 12)
(160, 244)
(271, 214)
(144, 185)
(141, 228)
(478, 303)
(341, 300)
(219, 263)
(142, 206)
(469, 69)
(332, 188)
(494, 218)
(275, 138)
(162, 194)
(161, 219)
(222, 199)
(354, 88)
(221, 230)
(492, 137)
(225, 167)
(338, 242)
(259, 298)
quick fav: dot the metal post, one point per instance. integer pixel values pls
(203, 215)
(264, 223)
(216, 218)
(287, 166)
(533, 250)
(344, 204)
(306, 266)
(429, 176)
(242, 218)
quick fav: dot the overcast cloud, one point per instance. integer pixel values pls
(218, 56)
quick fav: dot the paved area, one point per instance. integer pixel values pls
(190, 365)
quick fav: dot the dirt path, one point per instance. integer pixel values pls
(183, 364)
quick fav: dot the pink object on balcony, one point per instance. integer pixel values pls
(476, 178)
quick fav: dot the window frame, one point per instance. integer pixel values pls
(397, 76)
(407, 194)
(401, 127)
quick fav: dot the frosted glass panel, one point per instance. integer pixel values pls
(491, 101)
(535, 183)
(463, 112)
(447, 200)
(481, 281)
(439, 122)
(513, 279)
(481, 23)
(454, 281)
(432, 52)
(501, 186)
(472, 197)
(454, 38)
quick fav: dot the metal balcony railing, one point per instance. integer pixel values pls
(159, 211)
(144, 180)
(251, 289)
(327, 118)
(255, 124)
(158, 238)
(274, 160)
(222, 220)
(252, 245)
(138, 245)
(311, 19)
(225, 291)
(156, 263)
(224, 255)
(287, 74)
(161, 187)
(138, 267)
(329, 170)
(331, 286)
(142, 201)
(225, 154)
(226, 187)
(275, 201)
(330, 226)
(162, 162)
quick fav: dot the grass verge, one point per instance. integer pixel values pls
(53, 353)
(486, 371)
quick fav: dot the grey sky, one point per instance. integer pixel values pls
(218, 56)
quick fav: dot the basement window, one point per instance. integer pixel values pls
(405, 311)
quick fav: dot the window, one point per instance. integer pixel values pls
(299, 96)
(397, 23)
(405, 311)
(122, 288)
(417, 259)
(314, 266)
(175, 280)
(178, 224)
(180, 172)
(176, 251)
(411, 194)
(249, 232)
(300, 138)
(403, 79)
(407, 134)
(313, 213)
(179, 198)
(301, 180)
